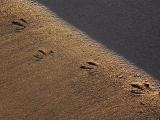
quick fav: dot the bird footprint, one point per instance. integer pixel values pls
(19, 25)
(41, 54)
(140, 88)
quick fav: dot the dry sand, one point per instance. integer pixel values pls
(52, 71)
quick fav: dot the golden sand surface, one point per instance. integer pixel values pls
(49, 70)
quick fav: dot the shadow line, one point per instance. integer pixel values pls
(131, 28)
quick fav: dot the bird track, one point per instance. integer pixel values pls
(19, 25)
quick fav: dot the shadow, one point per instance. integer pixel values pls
(129, 27)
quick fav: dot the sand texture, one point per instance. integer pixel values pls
(49, 70)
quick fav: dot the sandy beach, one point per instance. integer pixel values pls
(50, 70)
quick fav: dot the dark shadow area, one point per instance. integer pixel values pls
(129, 27)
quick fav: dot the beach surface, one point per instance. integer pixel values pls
(50, 70)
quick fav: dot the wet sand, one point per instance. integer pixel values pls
(52, 71)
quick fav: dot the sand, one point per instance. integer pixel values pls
(52, 71)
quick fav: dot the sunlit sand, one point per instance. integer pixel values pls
(49, 70)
